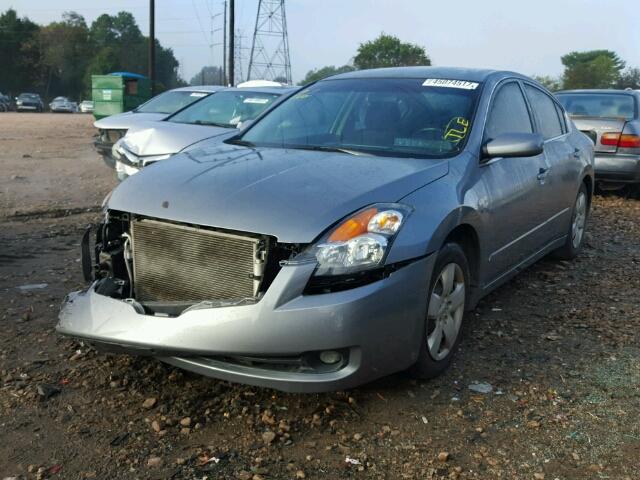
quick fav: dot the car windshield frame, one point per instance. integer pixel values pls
(269, 97)
(196, 94)
(634, 103)
(451, 86)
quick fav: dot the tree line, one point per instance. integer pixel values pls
(59, 58)
(590, 69)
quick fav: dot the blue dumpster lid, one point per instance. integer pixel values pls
(127, 74)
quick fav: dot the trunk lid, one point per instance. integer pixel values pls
(595, 127)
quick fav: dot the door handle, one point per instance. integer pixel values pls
(577, 152)
(542, 173)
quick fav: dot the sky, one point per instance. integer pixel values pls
(527, 37)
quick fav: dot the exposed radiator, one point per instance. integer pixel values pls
(178, 263)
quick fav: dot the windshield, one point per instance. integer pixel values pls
(170, 102)
(226, 109)
(28, 96)
(598, 105)
(394, 117)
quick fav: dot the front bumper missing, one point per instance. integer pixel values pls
(379, 325)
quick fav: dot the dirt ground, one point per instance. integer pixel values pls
(558, 347)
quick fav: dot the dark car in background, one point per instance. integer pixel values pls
(611, 119)
(29, 102)
(6, 103)
(113, 128)
(342, 235)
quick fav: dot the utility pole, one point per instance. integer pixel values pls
(224, 46)
(232, 30)
(152, 45)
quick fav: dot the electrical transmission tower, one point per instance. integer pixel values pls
(270, 47)
(238, 56)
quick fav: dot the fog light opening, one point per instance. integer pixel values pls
(330, 357)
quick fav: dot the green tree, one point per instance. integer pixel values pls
(552, 83)
(320, 73)
(591, 69)
(209, 75)
(630, 78)
(389, 51)
(65, 55)
(19, 53)
(120, 46)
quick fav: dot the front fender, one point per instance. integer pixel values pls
(438, 210)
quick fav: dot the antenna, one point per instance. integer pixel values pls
(270, 47)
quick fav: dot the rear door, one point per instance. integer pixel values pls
(513, 203)
(559, 188)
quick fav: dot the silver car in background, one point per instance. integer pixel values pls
(63, 105)
(341, 236)
(86, 106)
(113, 128)
(611, 119)
(216, 116)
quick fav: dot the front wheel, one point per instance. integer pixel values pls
(575, 235)
(448, 295)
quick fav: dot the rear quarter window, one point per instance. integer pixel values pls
(545, 112)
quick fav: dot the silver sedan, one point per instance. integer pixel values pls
(343, 235)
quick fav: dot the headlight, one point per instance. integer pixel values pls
(360, 242)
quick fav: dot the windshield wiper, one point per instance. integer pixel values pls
(212, 124)
(242, 143)
(327, 148)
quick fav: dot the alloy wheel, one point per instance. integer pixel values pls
(579, 220)
(445, 312)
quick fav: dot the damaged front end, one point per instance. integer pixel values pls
(165, 268)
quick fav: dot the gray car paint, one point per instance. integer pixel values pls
(518, 214)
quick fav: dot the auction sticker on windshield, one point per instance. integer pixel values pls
(448, 83)
(255, 100)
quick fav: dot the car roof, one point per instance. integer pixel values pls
(198, 88)
(276, 90)
(456, 73)
(600, 91)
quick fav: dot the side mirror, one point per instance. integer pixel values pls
(514, 145)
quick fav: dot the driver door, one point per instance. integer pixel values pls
(512, 207)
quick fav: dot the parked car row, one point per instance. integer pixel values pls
(32, 102)
(339, 232)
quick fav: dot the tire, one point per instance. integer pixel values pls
(435, 356)
(577, 228)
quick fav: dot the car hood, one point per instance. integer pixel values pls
(167, 138)
(293, 195)
(124, 121)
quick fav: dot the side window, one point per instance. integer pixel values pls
(563, 122)
(544, 109)
(508, 113)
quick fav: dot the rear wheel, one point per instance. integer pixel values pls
(448, 293)
(575, 236)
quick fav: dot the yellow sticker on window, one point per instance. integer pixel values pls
(456, 129)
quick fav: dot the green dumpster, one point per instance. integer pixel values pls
(118, 92)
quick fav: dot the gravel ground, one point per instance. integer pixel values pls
(557, 347)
